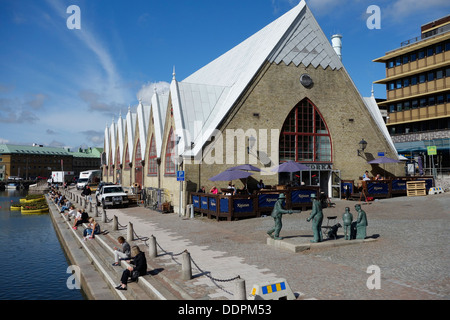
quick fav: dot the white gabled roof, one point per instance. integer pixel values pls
(106, 144)
(112, 134)
(143, 116)
(208, 95)
(121, 136)
(375, 112)
(130, 128)
(307, 44)
(159, 108)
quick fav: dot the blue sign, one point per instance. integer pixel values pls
(301, 196)
(243, 205)
(377, 188)
(267, 200)
(381, 154)
(180, 175)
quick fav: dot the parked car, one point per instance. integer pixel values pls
(112, 195)
(101, 185)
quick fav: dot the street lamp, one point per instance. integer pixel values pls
(362, 147)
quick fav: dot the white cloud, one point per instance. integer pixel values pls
(401, 9)
(109, 83)
(147, 90)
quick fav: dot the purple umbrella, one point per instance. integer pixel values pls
(247, 167)
(383, 160)
(290, 166)
(229, 175)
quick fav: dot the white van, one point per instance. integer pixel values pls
(86, 177)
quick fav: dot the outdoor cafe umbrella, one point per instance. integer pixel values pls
(383, 160)
(290, 166)
(229, 175)
(246, 167)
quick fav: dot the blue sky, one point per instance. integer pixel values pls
(61, 87)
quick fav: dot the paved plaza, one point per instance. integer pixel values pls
(410, 248)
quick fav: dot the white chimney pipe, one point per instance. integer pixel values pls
(336, 41)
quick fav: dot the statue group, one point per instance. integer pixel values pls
(352, 229)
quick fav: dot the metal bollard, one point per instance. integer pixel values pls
(104, 215)
(115, 223)
(130, 232)
(96, 211)
(239, 290)
(152, 251)
(186, 269)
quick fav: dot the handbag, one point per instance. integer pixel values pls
(135, 275)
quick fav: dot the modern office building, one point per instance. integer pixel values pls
(418, 93)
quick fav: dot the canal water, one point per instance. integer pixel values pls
(33, 265)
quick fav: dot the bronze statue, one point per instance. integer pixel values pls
(361, 223)
(277, 213)
(348, 219)
(317, 217)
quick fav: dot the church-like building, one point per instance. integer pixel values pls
(283, 94)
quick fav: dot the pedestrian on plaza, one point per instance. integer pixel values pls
(214, 190)
(77, 218)
(92, 229)
(366, 176)
(124, 253)
(72, 213)
(84, 218)
(139, 269)
(260, 185)
(66, 205)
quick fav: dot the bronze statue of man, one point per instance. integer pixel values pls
(361, 223)
(317, 217)
(348, 219)
(277, 214)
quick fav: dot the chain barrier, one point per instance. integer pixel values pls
(173, 255)
(205, 273)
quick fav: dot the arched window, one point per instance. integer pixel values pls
(111, 169)
(170, 154)
(127, 158)
(138, 155)
(152, 158)
(305, 136)
(118, 158)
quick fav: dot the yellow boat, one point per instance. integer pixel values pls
(34, 211)
(15, 208)
(25, 200)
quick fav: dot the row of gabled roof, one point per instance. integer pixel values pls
(203, 100)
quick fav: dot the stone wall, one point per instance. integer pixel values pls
(265, 106)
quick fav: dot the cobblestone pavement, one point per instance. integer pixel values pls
(411, 250)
